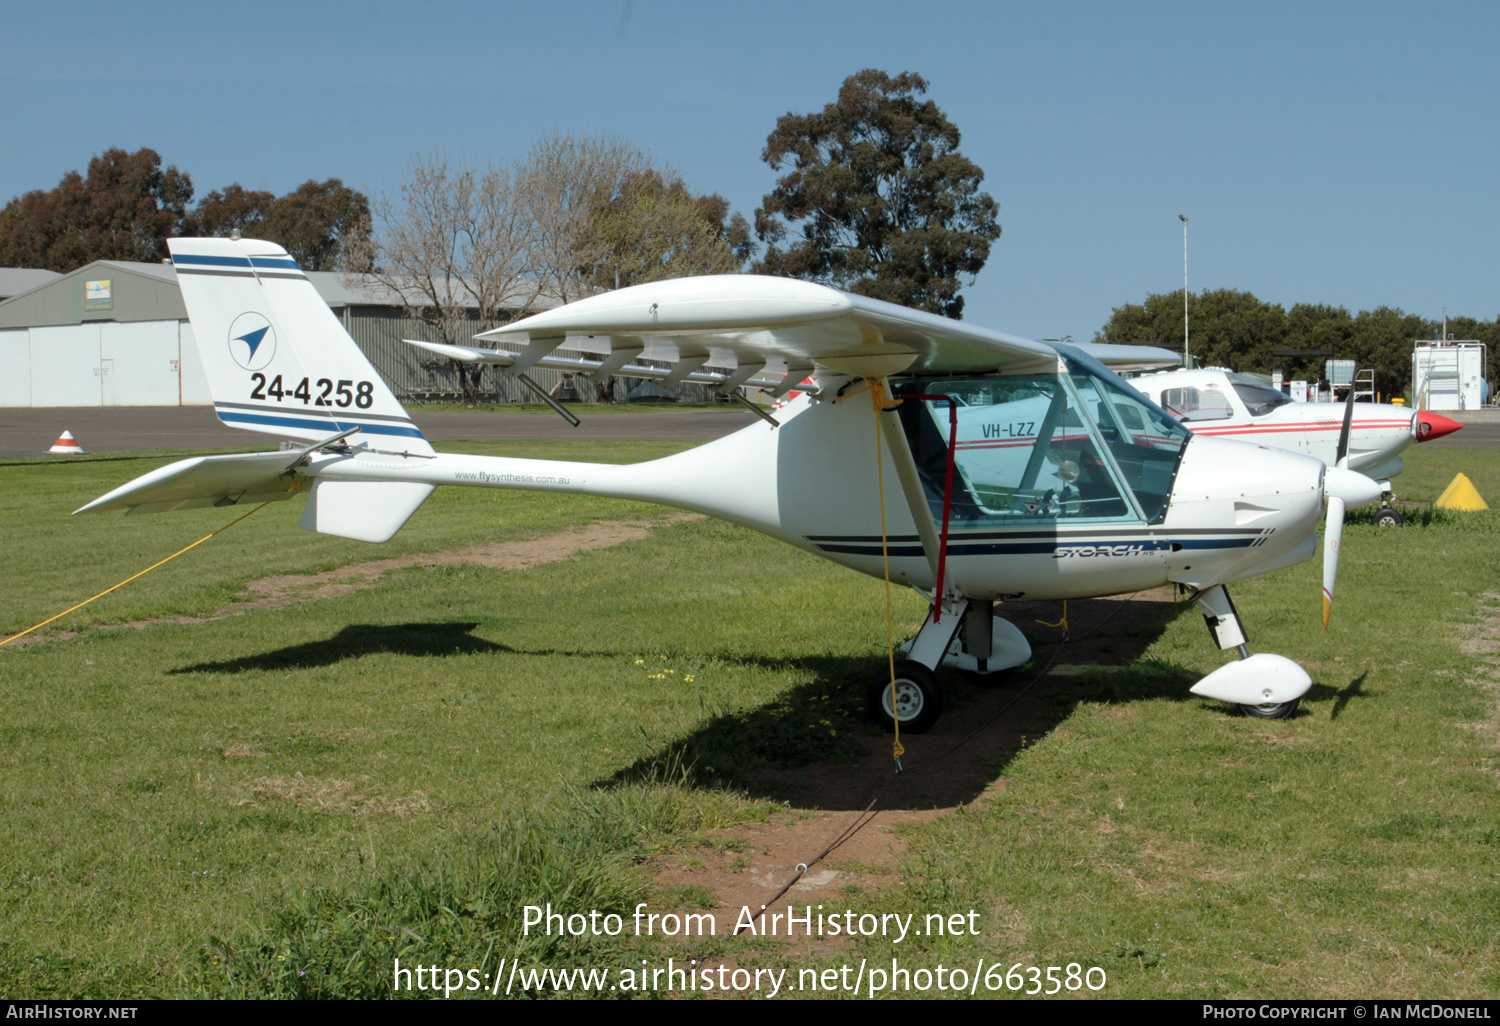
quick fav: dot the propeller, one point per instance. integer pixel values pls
(1338, 485)
(1342, 457)
(1333, 537)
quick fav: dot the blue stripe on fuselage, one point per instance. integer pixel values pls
(1041, 548)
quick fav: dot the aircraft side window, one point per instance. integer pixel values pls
(1146, 442)
(1197, 403)
(1027, 451)
(1259, 399)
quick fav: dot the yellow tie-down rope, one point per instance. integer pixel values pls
(153, 566)
(1063, 623)
(876, 388)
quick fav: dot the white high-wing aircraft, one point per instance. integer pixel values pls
(983, 466)
(1217, 402)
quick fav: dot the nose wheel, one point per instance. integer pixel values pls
(918, 698)
(1274, 711)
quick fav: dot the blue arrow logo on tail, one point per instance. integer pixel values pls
(253, 339)
(257, 340)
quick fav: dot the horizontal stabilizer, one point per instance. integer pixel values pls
(370, 511)
(202, 481)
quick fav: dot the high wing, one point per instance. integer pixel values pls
(733, 330)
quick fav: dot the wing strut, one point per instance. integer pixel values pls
(934, 545)
(541, 393)
(942, 562)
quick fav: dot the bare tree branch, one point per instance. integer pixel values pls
(457, 243)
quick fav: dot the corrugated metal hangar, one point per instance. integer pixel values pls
(114, 333)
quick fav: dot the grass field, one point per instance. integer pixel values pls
(280, 802)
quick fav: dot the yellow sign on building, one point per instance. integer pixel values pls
(98, 295)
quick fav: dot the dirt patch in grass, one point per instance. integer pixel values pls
(331, 796)
(944, 770)
(286, 589)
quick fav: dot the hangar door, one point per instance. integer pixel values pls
(139, 364)
(65, 366)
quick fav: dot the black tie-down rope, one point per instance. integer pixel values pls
(865, 816)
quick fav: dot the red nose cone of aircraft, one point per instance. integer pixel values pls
(1434, 425)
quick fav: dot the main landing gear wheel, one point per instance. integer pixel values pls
(1277, 711)
(919, 698)
(1386, 517)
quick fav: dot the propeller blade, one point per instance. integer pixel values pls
(1333, 537)
(1341, 459)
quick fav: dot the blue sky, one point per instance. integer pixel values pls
(1324, 152)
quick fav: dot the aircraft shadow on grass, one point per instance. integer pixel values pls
(776, 751)
(1354, 689)
(356, 640)
(814, 745)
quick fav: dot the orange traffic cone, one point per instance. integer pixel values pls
(67, 445)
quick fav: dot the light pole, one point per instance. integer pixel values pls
(1183, 219)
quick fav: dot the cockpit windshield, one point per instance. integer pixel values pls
(1259, 399)
(1081, 446)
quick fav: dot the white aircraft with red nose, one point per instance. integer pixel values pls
(879, 466)
(1220, 403)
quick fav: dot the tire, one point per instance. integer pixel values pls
(918, 695)
(1387, 517)
(1270, 712)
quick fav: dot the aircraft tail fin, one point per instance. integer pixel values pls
(277, 359)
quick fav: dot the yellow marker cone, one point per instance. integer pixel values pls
(1461, 495)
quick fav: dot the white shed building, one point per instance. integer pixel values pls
(108, 334)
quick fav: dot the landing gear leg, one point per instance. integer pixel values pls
(979, 634)
(1387, 515)
(984, 646)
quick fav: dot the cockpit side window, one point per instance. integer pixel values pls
(1259, 399)
(1192, 403)
(1081, 446)
(1027, 451)
(1146, 442)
